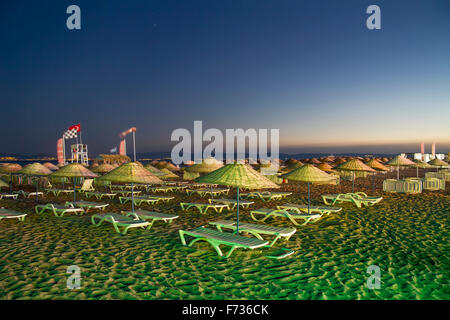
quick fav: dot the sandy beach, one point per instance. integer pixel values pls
(405, 235)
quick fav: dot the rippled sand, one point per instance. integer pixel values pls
(405, 235)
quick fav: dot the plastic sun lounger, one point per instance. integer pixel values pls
(205, 192)
(126, 193)
(358, 198)
(58, 210)
(256, 229)
(203, 207)
(216, 238)
(9, 196)
(11, 214)
(87, 205)
(138, 200)
(151, 215)
(57, 192)
(164, 189)
(266, 196)
(100, 195)
(292, 216)
(119, 221)
(29, 194)
(312, 209)
(161, 198)
(232, 203)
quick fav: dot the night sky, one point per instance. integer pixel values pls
(309, 68)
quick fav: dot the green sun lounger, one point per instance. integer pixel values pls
(151, 215)
(8, 196)
(256, 229)
(217, 238)
(11, 214)
(232, 203)
(358, 198)
(312, 209)
(57, 192)
(100, 195)
(26, 194)
(265, 195)
(127, 193)
(207, 192)
(57, 209)
(119, 221)
(87, 205)
(164, 189)
(292, 216)
(138, 201)
(203, 207)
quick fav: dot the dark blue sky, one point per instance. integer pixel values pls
(310, 68)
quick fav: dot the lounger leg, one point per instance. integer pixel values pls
(181, 233)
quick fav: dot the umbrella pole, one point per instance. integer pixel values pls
(10, 182)
(417, 171)
(74, 192)
(132, 197)
(37, 187)
(398, 172)
(237, 201)
(309, 200)
(212, 196)
(353, 182)
(373, 182)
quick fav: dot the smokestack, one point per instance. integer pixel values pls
(433, 150)
(422, 148)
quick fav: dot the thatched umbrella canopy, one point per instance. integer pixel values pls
(325, 167)
(95, 164)
(420, 164)
(153, 170)
(206, 166)
(160, 164)
(338, 161)
(314, 161)
(35, 169)
(354, 165)
(400, 161)
(237, 175)
(374, 164)
(290, 161)
(131, 172)
(168, 174)
(103, 168)
(438, 163)
(74, 170)
(10, 168)
(51, 166)
(309, 174)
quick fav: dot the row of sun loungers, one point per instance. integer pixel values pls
(358, 198)
(11, 214)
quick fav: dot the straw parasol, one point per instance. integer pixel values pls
(314, 161)
(153, 170)
(309, 174)
(168, 174)
(131, 172)
(35, 169)
(399, 161)
(74, 170)
(103, 168)
(206, 166)
(237, 175)
(438, 163)
(354, 165)
(325, 167)
(10, 168)
(51, 166)
(374, 164)
(420, 164)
